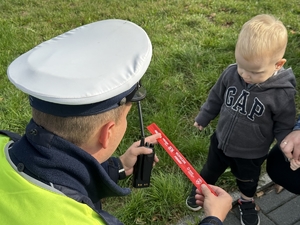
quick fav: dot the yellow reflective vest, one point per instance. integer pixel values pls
(26, 201)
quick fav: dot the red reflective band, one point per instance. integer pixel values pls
(184, 165)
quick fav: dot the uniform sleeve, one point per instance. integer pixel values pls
(111, 167)
(211, 220)
(297, 125)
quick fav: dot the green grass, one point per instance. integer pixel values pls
(193, 41)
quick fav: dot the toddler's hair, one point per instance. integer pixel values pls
(262, 36)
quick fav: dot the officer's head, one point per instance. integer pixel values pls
(85, 78)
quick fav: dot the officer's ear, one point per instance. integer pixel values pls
(106, 133)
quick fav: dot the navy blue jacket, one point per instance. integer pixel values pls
(53, 160)
(59, 163)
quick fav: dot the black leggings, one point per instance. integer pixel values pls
(280, 172)
(246, 171)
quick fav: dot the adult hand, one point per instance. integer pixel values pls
(217, 206)
(129, 158)
(290, 145)
(198, 126)
(294, 164)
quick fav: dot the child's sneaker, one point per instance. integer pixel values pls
(248, 213)
(191, 203)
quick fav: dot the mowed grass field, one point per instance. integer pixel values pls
(193, 42)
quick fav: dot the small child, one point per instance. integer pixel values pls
(254, 99)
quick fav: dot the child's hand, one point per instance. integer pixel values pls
(294, 164)
(198, 126)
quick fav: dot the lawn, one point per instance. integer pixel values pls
(193, 42)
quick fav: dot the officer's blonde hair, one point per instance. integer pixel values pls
(262, 36)
(79, 129)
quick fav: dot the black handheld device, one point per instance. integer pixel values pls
(143, 166)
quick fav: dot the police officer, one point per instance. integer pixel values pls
(81, 86)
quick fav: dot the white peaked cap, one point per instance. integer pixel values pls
(98, 62)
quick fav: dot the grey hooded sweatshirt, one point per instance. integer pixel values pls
(250, 117)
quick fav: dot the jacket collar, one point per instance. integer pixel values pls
(52, 159)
